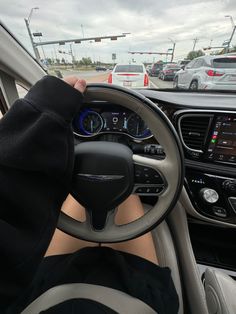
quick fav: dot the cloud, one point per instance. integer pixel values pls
(151, 24)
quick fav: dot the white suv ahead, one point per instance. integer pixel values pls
(208, 72)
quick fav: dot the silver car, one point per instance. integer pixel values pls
(208, 72)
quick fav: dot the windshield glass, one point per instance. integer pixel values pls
(129, 68)
(225, 63)
(96, 40)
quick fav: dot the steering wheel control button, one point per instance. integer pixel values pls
(209, 195)
(219, 211)
(147, 175)
(148, 190)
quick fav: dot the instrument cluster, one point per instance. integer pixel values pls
(93, 120)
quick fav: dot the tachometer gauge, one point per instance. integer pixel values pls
(90, 122)
(137, 127)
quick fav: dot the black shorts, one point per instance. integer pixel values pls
(104, 266)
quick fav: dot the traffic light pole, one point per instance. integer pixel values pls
(231, 37)
(173, 51)
(32, 41)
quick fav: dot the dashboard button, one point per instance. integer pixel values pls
(209, 195)
(219, 211)
(232, 201)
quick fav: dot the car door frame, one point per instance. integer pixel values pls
(16, 65)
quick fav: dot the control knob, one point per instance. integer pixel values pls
(209, 195)
(229, 186)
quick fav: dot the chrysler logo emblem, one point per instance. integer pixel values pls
(99, 177)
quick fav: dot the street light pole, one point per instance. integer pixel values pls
(27, 23)
(173, 49)
(233, 31)
(194, 43)
(32, 41)
(72, 56)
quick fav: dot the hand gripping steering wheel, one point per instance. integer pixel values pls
(104, 173)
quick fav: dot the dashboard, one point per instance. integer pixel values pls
(206, 124)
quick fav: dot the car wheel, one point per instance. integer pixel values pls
(175, 83)
(193, 85)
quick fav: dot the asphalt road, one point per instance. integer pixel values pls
(157, 83)
(94, 76)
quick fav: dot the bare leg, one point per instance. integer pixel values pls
(128, 211)
(63, 243)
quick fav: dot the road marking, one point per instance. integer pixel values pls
(154, 85)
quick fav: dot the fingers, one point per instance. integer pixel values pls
(75, 82)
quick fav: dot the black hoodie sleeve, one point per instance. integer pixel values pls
(36, 164)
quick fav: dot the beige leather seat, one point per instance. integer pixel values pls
(220, 292)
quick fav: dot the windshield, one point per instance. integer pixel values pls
(96, 40)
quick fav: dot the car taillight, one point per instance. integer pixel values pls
(146, 80)
(110, 79)
(214, 73)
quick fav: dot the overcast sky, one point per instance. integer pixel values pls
(150, 22)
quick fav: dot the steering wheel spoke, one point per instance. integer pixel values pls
(100, 220)
(163, 168)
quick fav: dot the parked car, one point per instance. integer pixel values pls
(156, 68)
(208, 72)
(149, 68)
(129, 75)
(101, 68)
(168, 72)
(183, 63)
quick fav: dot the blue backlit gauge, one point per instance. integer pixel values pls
(136, 127)
(90, 122)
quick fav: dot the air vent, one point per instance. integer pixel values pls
(194, 129)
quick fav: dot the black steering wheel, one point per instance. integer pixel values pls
(104, 173)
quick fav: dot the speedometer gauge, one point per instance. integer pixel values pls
(137, 127)
(90, 122)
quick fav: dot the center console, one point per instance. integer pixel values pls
(209, 141)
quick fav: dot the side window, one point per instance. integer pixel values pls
(191, 64)
(22, 91)
(198, 63)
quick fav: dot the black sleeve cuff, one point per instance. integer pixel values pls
(51, 94)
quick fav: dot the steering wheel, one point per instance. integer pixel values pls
(104, 173)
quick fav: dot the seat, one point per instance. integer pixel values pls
(114, 299)
(220, 292)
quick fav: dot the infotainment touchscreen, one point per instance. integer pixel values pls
(222, 144)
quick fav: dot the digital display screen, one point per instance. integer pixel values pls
(222, 146)
(114, 121)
